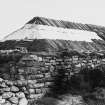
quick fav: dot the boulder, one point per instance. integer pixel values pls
(7, 95)
(35, 96)
(31, 81)
(21, 70)
(20, 95)
(14, 100)
(6, 76)
(38, 85)
(38, 76)
(6, 89)
(2, 100)
(23, 101)
(14, 89)
(1, 80)
(23, 89)
(19, 83)
(31, 91)
(21, 77)
(1, 91)
(24, 82)
(3, 85)
(30, 85)
(9, 83)
(7, 103)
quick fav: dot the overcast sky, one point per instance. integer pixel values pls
(15, 13)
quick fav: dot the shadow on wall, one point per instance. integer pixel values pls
(81, 87)
(83, 84)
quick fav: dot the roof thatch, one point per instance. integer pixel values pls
(100, 30)
(58, 23)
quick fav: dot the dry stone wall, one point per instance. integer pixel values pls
(34, 75)
(37, 76)
(10, 94)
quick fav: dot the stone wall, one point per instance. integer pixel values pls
(11, 94)
(34, 74)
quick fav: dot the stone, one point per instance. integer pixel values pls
(58, 60)
(1, 91)
(14, 100)
(40, 80)
(24, 82)
(20, 95)
(30, 85)
(15, 83)
(47, 64)
(23, 89)
(35, 96)
(6, 81)
(21, 77)
(14, 89)
(40, 59)
(38, 72)
(6, 76)
(2, 100)
(3, 85)
(31, 81)
(23, 101)
(19, 83)
(51, 60)
(48, 84)
(14, 104)
(31, 77)
(38, 85)
(47, 75)
(51, 68)
(1, 80)
(21, 70)
(39, 76)
(31, 91)
(7, 103)
(43, 90)
(38, 91)
(99, 93)
(6, 89)
(45, 60)
(7, 95)
(9, 83)
(0, 97)
(72, 100)
(26, 92)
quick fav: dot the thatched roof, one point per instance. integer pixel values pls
(100, 30)
(58, 23)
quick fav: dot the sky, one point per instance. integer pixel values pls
(15, 13)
